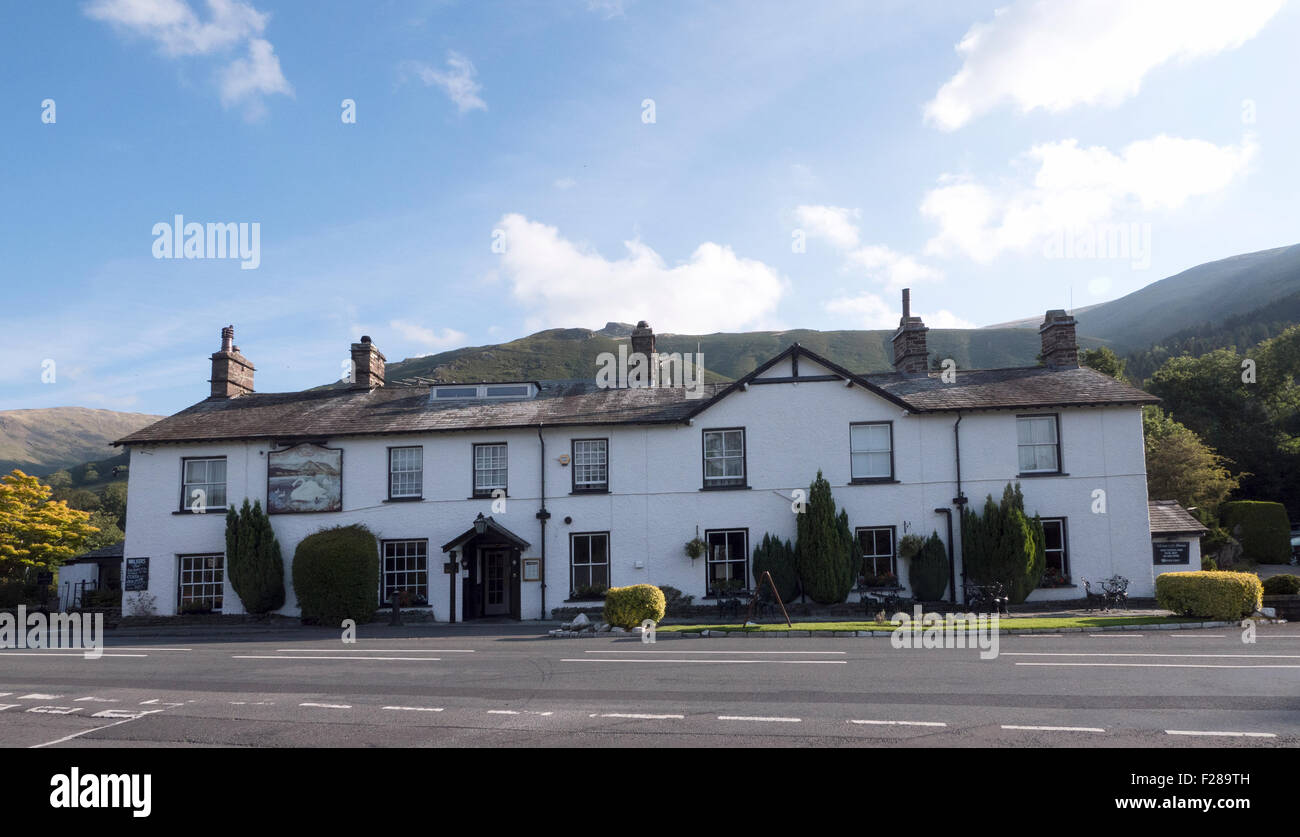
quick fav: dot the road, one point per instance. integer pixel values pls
(507, 686)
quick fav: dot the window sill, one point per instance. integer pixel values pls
(581, 491)
(487, 497)
(404, 500)
(206, 513)
(725, 488)
(1032, 474)
(873, 481)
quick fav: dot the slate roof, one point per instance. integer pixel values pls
(1169, 518)
(333, 412)
(104, 553)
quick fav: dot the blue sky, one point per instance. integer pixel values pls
(940, 146)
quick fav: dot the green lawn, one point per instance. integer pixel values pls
(1016, 623)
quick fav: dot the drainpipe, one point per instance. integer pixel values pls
(543, 515)
(960, 502)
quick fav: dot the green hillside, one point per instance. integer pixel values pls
(44, 440)
(572, 352)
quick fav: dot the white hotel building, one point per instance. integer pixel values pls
(604, 487)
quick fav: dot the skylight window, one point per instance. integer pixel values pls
(484, 391)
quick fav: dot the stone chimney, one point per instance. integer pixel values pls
(367, 365)
(643, 339)
(1060, 348)
(232, 374)
(910, 353)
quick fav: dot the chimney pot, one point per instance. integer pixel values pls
(232, 373)
(643, 339)
(911, 355)
(368, 365)
(1059, 340)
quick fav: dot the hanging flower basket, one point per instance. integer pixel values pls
(695, 548)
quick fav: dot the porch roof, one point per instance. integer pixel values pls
(493, 532)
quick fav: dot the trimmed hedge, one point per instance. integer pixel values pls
(336, 575)
(1221, 596)
(1265, 531)
(1282, 585)
(628, 607)
(928, 572)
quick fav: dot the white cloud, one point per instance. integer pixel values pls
(832, 223)
(896, 270)
(1074, 189)
(1056, 54)
(566, 284)
(868, 310)
(427, 337)
(457, 82)
(608, 8)
(179, 32)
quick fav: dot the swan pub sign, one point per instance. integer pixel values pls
(304, 478)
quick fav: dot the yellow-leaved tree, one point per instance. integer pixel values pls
(36, 533)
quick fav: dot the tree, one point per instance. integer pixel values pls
(59, 479)
(777, 557)
(255, 566)
(115, 502)
(35, 532)
(1180, 466)
(823, 555)
(1004, 545)
(927, 573)
(108, 533)
(1104, 361)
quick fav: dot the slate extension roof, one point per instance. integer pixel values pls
(1169, 518)
(333, 412)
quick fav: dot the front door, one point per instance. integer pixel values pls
(496, 582)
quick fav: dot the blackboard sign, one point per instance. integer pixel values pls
(137, 575)
(1171, 552)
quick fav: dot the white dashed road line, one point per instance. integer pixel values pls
(374, 651)
(901, 723)
(674, 651)
(1161, 665)
(287, 657)
(761, 718)
(710, 661)
(4, 706)
(55, 710)
(39, 696)
(1220, 734)
(1115, 636)
(327, 705)
(637, 716)
(1052, 729)
(413, 708)
(1144, 654)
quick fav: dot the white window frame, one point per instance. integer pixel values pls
(400, 471)
(727, 457)
(858, 448)
(187, 486)
(1038, 447)
(205, 582)
(574, 563)
(590, 466)
(413, 555)
(1065, 544)
(724, 556)
(489, 464)
(874, 558)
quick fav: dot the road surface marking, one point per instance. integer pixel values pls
(287, 657)
(683, 660)
(674, 651)
(766, 719)
(1053, 729)
(5, 694)
(903, 723)
(79, 734)
(1147, 654)
(376, 650)
(55, 710)
(39, 696)
(1116, 636)
(1221, 734)
(1161, 665)
(93, 699)
(1181, 635)
(128, 714)
(415, 708)
(63, 653)
(328, 705)
(637, 716)
(502, 712)
(147, 648)
(4, 706)
(1044, 636)
(156, 701)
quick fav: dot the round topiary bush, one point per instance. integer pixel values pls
(336, 575)
(1221, 596)
(1282, 585)
(628, 607)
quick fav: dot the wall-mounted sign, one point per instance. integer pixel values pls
(137, 575)
(532, 569)
(304, 478)
(1171, 552)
